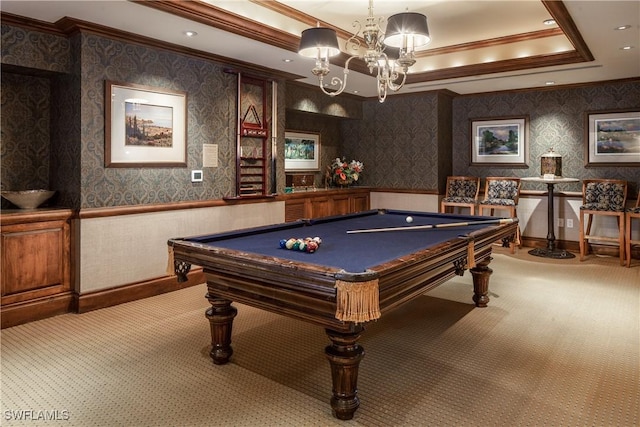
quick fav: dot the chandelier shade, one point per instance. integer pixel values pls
(407, 30)
(319, 42)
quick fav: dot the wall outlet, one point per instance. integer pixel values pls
(560, 222)
(569, 223)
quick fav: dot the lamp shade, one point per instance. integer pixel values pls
(407, 30)
(319, 42)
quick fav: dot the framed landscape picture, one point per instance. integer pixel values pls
(500, 142)
(301, 151)
(144, 126)
(612, 138)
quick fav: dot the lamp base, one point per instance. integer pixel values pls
(555, 253)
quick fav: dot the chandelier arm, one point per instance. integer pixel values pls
(382, 91)
(381, 83)
(337, 81)
(396, 87)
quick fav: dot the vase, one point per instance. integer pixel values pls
(342, 183)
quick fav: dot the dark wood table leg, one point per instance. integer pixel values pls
(344, 356)
(481, 273)
(550, 251)
(220, 315)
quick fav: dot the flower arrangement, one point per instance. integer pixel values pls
(343, 173)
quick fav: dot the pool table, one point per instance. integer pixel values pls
(358, 273)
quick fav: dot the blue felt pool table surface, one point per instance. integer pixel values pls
(351, 252)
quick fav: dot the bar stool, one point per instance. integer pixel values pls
(462, 192)
(502, 193)
(603, 197)
(632, 213)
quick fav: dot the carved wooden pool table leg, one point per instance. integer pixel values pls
(220, 316)
(344, 356)
(481, 273)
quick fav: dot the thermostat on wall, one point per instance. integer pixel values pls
(196, 176)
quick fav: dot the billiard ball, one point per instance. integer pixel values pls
(312, 246)
(409, 219)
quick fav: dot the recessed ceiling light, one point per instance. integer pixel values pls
(287, 60)
(622, 27)
(549, 22)
(190, 33)
(626, 48)
(550, 83)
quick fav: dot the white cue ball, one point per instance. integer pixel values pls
(409, 219)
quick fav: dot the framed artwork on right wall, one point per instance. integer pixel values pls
(612, 138)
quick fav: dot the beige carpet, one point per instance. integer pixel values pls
(558, 345)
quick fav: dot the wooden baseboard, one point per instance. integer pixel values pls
(35, 309)
(135, 291)
(42, 308)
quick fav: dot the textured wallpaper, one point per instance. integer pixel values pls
(397, 141)
(556, 119)
(25, 132)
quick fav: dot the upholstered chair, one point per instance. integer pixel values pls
(461, 192)
(632, 213)
(502, 193)
(605, 198)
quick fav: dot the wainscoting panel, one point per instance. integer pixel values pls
(120, 250)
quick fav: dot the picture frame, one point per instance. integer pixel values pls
(500, 142)
(144, 126)
(301, 151)
(612, 138)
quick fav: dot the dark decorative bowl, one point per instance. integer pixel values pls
(28, 199)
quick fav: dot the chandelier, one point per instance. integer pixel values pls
(388, 55)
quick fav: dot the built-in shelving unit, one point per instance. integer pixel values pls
(253, 154)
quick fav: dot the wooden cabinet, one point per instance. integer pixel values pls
(36, 272)
(316, 204)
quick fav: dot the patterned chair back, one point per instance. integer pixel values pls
(604, 194)
(463, 189)
(502, 191)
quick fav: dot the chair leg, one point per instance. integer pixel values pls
(582, 237)
(628, 239)
(621, 237)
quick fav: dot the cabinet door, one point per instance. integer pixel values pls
(360, 202)
(295, 209)
(320, 206)
(341, 204)
(33, 260)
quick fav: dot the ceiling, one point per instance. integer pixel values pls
(477, 46)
